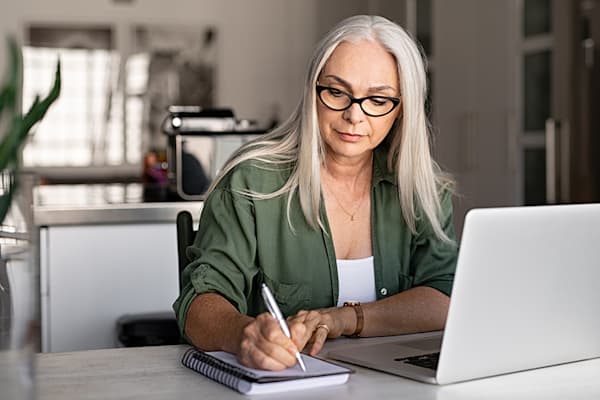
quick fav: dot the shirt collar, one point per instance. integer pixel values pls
(380, 169)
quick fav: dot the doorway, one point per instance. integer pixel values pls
(559, 80)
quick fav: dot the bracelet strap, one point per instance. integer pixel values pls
(360, 318)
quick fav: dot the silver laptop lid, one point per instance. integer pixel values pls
(526, 292)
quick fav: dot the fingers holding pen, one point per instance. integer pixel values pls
(263, 345)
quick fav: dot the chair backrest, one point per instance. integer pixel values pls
(185, 238)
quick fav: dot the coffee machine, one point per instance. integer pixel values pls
(199, 142)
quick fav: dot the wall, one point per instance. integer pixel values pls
(474, 108)
(331, 12)
(264, 45)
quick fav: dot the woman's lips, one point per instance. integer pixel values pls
(349, 137)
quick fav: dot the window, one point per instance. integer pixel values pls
(534, 77)
(113, 99)
(85, 126)
(88, 124)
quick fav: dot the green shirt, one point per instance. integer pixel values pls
(243, 242)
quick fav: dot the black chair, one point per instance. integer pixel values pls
(154, 329)
(185, 238)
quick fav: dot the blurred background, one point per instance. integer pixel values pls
(514, 102)
(514, 83)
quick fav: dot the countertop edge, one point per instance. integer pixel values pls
(125, 213)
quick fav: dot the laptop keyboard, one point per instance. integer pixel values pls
(425, 360)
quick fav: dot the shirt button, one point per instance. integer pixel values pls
(383, 291)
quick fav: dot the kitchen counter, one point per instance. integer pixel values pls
(103, 204)
(109, 249)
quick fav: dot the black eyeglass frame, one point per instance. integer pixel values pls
(358, 100)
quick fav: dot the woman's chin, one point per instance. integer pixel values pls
(349, 150)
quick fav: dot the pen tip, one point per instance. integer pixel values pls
(301, 362)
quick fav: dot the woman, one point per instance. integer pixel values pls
(342, 203)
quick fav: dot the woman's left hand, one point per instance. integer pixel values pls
(323, 323)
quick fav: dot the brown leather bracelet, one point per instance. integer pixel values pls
(360, 319)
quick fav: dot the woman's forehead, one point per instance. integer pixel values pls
(365, 63)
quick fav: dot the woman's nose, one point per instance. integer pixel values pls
(354, 114)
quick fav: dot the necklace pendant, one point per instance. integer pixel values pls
(352, 218)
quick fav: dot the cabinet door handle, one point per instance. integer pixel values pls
(552, 145)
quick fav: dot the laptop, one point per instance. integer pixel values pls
(526, 295)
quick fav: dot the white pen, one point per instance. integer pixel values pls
(276, 313)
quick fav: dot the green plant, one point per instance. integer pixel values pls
(16, 124)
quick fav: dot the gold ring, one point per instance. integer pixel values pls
(324, 327)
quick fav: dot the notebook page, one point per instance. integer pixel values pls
(314, 367)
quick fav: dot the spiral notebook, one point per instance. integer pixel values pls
(224, 368)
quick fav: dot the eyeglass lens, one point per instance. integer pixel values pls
(339, 101)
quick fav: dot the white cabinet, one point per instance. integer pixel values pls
(93, 274)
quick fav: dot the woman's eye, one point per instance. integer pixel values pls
(335, 92)
(378, 101)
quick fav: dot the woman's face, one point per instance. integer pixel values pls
(360, 69)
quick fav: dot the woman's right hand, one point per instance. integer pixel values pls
(263, 345)
(213, 323)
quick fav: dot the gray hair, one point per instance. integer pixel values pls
(297, 141)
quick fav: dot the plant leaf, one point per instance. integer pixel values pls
(39, 108)
(10, 142)
(19, 125)
(8, 93)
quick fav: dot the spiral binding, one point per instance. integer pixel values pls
(216, 369)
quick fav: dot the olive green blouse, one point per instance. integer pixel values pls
(243, 242)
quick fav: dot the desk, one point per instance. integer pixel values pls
(150, 373)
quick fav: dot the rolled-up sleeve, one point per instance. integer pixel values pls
(223, 253)
(433, 261)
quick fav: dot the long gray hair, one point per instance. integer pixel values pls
(298, 141)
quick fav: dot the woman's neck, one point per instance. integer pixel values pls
(351, 173)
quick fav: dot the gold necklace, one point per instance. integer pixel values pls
(362, 200)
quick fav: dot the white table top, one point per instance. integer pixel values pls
(157, 373)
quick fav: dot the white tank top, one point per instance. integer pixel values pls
(356, 280)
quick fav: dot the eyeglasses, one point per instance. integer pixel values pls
(373, 106)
